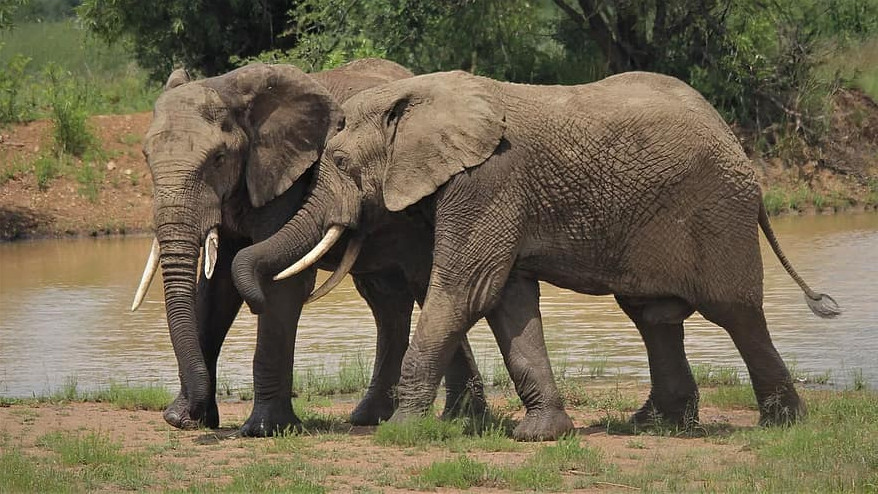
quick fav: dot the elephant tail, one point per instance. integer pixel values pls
(820, 303)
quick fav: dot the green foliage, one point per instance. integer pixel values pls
(104, 77)
(69, 115)
(46, 167)
(8, 9)
(13, 79)
(202, 36)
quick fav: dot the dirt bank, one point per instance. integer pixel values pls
(840, 174)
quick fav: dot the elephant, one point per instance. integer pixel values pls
(631, 186)
(231, 160)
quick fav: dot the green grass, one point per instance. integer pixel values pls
(127, 397)
(460, 473)
(730, 397)
(540, 472)
(710, 375)
(420, 432)
(124, 396)
(20, 473)
(99, 459)
(288, 475)
(484, 433)
(779, 199)
(578, 394)
(835, 449)
(352, 376)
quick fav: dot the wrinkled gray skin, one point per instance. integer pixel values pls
(631, 186)
(234, 152)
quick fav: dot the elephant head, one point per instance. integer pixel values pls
(400, 143)
(233, 141)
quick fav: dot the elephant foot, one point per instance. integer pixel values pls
(180, 414)
(543, 425)
(683, 413)
(470, 402)
(269, 419)
(373, 408)
(781, 409)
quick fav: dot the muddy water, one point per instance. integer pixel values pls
(64, 315)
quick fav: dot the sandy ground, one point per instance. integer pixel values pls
(349, 458)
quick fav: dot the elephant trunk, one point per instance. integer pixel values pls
(185, 209)
(179, 246)
(333, 201)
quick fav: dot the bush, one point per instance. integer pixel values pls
(12, 81)
(69, 113)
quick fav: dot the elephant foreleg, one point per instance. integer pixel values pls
(217, 304)
(391, 303)
(275, 351)
(518, 328)
(390, 299)
(673, 397)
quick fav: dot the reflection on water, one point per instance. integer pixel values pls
(64, 313)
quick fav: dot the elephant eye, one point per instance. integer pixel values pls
(339, 161)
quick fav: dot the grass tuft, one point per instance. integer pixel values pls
(100, 458)
(708, 375)
(127, 397)
(420, 432)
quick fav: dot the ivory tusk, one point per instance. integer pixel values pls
(152, 265)
(331, 237)
(344, 267)
(211, 245)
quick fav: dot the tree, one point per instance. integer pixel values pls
(200, 35)
(7, 11)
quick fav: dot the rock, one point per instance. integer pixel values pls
(111, 166)
(127, 172)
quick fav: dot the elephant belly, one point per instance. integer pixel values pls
(569, 274)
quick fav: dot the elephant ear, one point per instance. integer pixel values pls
(289, 117)
(437, 126)
(177, 78)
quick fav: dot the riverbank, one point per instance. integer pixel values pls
(110, 191)
(65, 444)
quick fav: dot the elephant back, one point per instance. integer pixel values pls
(349, 79)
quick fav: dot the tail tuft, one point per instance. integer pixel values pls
(824, 306)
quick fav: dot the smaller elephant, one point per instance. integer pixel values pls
(632, 186)
(231, 158)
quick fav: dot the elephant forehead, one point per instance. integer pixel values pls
(186, 108)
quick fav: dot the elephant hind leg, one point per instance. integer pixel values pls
(518, 328)
(779, 404)
(673, 397)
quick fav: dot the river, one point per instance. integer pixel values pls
(64, 315)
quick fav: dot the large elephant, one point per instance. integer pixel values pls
(230, 158)
(631, 186)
